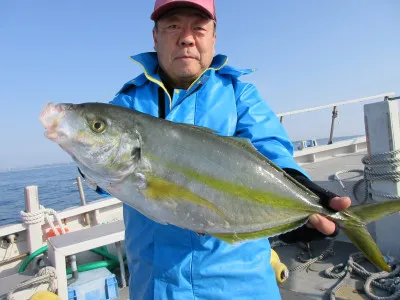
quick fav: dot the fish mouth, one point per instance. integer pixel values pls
(51, 117)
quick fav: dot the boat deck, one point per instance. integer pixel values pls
(322, 173)
(311, 283)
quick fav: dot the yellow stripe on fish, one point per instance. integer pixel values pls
(161, 189)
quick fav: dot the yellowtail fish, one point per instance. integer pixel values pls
(191, 177)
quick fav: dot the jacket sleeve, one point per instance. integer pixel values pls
(257, 122)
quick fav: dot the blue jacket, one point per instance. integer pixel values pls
(167, 262)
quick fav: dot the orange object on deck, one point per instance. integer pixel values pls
(51, 232)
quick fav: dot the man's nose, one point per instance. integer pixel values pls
(186, 37)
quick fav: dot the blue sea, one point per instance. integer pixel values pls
(56, 188)
(55, 185)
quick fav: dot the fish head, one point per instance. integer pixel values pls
(94, 135)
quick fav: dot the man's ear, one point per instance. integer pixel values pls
(155, 39)
(215, 40)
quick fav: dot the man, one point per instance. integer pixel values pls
(184, 82)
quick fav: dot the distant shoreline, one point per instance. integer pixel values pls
(46, 166)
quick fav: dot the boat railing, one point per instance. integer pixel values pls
(334, 106)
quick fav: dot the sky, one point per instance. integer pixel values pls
(307, 53)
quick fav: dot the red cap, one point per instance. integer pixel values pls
(162, 6)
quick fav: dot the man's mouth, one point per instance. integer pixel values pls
(184, 57)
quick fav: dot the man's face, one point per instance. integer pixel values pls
(184, 40)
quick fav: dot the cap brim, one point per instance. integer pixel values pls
(176, 4)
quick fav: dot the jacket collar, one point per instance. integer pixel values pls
(149, 62)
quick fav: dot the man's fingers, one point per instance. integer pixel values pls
(322, 224)
(340, 203)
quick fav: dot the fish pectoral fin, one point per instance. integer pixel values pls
(233, 238)
(360, 236)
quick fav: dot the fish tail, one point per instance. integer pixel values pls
(374, 211)
(354, 226)
(360, 236)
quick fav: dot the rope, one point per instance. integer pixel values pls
(41, 215)
(307, 263)
(51, 272)
(8, 249)
(355, 186)
(375, 168)
(121, 263)
(377, 279)
(45, 275)
(373, 171)
(389, 282)
(32, 217)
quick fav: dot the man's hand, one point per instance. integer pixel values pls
(324, 225)
(318, 227)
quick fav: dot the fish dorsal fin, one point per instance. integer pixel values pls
(198, 128)
(246, 144)
(239, 141)
(242, 142)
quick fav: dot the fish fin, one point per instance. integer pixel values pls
(243, 142)
(374, 211)
(360, 236)
(199, 128)
(246, 144)
(355, 230)
(160, 189)
(232, 238)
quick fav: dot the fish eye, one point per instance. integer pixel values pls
(98, 126)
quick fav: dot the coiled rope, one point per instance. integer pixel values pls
(382, 280)
(375, 168)
(43, 214)
(45, 275)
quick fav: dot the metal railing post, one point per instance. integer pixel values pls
(334, 116)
